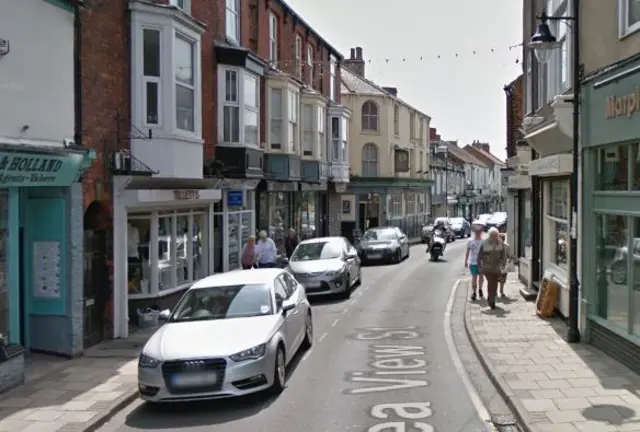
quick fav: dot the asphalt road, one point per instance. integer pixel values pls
(380, 362)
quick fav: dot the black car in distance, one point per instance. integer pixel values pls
(384, 244)
(460, 227)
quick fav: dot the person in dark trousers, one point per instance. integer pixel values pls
(492, 261)
(291, 242)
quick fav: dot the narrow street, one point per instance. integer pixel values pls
(380, 362)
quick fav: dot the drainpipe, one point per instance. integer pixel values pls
(77, 72)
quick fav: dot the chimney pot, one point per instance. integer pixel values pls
(359, 53)
(353, 54)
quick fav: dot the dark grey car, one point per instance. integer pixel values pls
(460, 227)
(387, 244)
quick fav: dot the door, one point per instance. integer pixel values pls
(353, 263)
(297, 317)
(362, 217)
(289, 327)
(96, 277)
(404, 242)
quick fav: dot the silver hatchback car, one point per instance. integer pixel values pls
(326, 265)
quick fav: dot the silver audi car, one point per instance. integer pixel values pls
(326, 265)
(229, 335)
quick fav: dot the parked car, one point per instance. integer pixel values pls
(449, 235)
(230, 334)
(388, 244)
(497, 220)
(460, 227)
(326, 265)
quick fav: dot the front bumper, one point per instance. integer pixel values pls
(322, 284)
(233, 379)
(373, 255)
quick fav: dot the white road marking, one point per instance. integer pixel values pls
(305, 356)
(324, 335)
(482, 411)
(335, 321)
(345, 310)
(365, 288)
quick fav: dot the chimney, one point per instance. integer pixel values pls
(391, 90)
(355, 62)
(433, 134)
(482, 146)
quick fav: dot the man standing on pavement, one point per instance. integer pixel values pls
(266, 251)
(471, 261)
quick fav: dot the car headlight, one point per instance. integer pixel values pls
(250, 354)
(332, 273)
(144, 361)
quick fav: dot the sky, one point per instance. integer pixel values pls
(463, 95)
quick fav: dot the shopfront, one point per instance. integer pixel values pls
(554, 174)
(276, 203)
(611, 211)
(163, 241)
(40, 254)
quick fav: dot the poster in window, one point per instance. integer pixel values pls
(46, 269)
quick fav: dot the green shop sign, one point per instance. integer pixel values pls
(30, 169)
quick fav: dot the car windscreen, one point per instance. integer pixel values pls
(318, 250)
(224, 302)
(380, 234)
(457, 221)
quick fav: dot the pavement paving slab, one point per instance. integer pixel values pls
(549, 384)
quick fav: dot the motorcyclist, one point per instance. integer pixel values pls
(437, 231)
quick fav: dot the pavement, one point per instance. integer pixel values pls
(74, 395)
(381, 361)
(549, 384)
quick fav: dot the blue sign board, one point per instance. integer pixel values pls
(235, 198)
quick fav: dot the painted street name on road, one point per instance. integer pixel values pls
(394, 366)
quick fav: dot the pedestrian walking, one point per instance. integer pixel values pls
(492, 261)
(291, 242)
(503, 278)
(266, 251)
(471, 262)
(250, 254)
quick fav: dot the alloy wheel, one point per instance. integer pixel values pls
(281, 368)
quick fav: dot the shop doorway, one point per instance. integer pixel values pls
(98, 235)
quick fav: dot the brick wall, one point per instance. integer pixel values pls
(515, 114)
(105, 87)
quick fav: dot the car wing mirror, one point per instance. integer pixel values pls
(286, 307)
(164, 315)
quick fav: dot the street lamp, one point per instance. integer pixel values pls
(543, 42)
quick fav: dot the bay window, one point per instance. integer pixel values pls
(151, 54)
(293, 131)
(335, 139)
(239, 92)
(232, 20)
(556, 71)
(184, 64)
(333, 62)
(276, 118)
(308, 134)
(344, 124)
(322, 134)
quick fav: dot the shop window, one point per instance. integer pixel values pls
(396, 205)
(635, 256)
(557, 223)
(411, 203)
(612, 171)
(305, 214)
(612, 289)
(635, 167)
(138, 253)
(526, 221)
(279, 221)
(4, 289)
(166, 257)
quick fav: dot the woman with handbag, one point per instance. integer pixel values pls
(507, 250)
(492, 261)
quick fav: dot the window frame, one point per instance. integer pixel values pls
(236, 14)
(308, 134)
(550, 221)
(396, 120)
(624, 28)
(192, 87)
(293, 121)
(333, 66)
(368, 117)
(335, 139)
(241, 105)
(280, 119)
(310, 68)
(322, 131)
(185, 7)
(298, 57)
(370, 166)
(273, 40)
(146, 79)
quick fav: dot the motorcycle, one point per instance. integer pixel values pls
(438, 245)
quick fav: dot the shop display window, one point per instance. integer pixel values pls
(305, 214)
(279, 218)
(612, 173)
(557, 229)
(525, 219)
(612, 278)
(169, 245)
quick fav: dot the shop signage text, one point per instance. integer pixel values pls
(235, 198)
(622, 106)
(186, 194)
(24, 169)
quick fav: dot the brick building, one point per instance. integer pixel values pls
(210, 120)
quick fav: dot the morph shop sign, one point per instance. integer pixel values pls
(24, 169)
(622, 106)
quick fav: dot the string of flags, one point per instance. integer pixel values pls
(319, 65)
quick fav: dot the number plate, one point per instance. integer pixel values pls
(312, 284)
(374, 255)
(195, 379)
